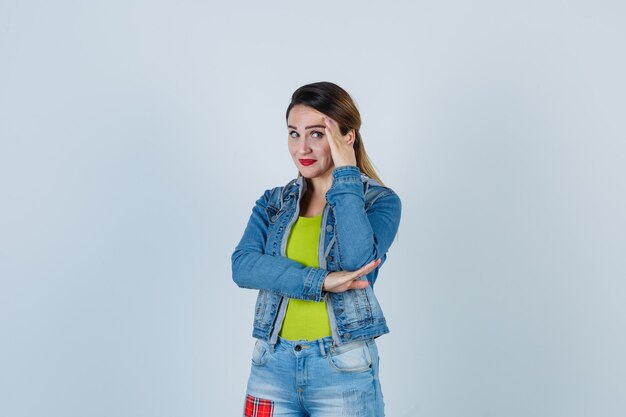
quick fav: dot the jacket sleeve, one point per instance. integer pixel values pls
(253, 268)
(361, 235)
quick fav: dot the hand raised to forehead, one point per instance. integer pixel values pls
(341, 146)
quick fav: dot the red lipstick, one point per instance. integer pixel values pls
(307, 162)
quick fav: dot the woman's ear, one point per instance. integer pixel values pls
(351, 137)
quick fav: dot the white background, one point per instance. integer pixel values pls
(136, 135)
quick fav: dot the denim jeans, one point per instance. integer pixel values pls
(314, 379)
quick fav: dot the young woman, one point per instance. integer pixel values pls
(313, 248)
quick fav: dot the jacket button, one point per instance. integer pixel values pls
(338, 311)
(298, 348)
(329, 228)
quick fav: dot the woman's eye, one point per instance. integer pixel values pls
(293, 134)
(317, 135)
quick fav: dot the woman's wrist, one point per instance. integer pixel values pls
(346, 171)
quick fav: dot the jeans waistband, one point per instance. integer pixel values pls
(322, 345)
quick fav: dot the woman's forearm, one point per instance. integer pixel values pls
(278, 274)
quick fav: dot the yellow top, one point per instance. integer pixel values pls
(305, 319)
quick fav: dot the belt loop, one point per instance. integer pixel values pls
(322, 347)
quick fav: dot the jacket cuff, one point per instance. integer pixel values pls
(314, 284)
(347, 173)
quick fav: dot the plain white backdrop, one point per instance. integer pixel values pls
(136, 135)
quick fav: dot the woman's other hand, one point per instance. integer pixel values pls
(344, 280)
(341, 147)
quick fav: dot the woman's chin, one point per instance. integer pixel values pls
(307, 173)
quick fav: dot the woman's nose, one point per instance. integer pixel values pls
(303, 146)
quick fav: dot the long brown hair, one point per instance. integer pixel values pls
(336, 103)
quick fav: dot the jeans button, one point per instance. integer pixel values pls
(298, 348)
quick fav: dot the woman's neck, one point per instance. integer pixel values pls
(319, 185)
(314, 199)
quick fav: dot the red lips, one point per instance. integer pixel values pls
(307, 162)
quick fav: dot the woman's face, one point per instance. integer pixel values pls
(308, 146)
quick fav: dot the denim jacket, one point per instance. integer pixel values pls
(359, 223)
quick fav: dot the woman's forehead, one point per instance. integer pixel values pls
(304, 116)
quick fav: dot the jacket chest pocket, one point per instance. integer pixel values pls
(276, 226)
(272, 213)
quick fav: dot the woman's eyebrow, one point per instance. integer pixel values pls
(308, 127)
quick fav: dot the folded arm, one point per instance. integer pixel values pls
(361, 236)
(253, 268)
